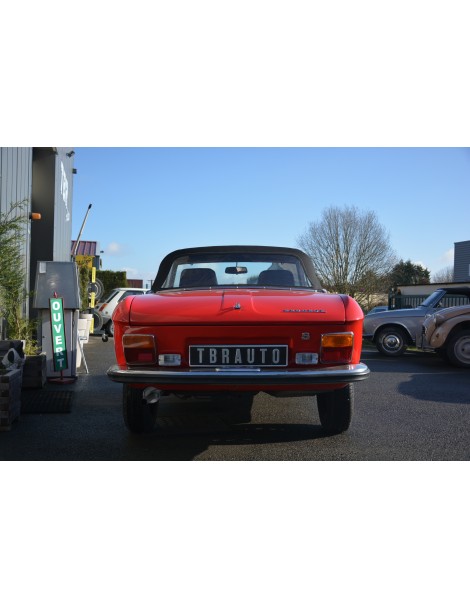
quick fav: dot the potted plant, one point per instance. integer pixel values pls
(34, 367)
(86, 317)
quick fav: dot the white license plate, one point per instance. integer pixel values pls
(238, 355)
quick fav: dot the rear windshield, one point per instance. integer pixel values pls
(212, 270)
(129, 292)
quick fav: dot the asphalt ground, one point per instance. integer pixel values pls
(412, 408)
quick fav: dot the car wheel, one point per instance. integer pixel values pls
(336, 409)
(458, 348)
(139, 416)
(391, 341)
(110, 328)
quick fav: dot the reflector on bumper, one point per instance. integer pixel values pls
(306, 359)
(169, 359)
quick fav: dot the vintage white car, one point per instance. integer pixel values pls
(448, 333)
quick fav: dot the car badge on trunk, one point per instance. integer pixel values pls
(237, 306)
(303, 311)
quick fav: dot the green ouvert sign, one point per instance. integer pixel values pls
(59, 344)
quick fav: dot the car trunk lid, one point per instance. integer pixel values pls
(236, 306)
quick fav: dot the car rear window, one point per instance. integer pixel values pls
(244, 270)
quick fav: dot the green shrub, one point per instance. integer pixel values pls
(111, 280)
(13, 294)
(84, 278)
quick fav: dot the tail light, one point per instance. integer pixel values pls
(139, 349)
(337, 348)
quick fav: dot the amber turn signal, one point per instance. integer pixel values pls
(342, 339)
(337, 348)
(139, 349)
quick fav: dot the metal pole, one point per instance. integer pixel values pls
(74, 253)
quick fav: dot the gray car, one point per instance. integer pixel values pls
(394, 330)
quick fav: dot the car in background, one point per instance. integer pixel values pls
(228, 322)
(393, 331)
(448, 333)
(378, 309)
(106, 308)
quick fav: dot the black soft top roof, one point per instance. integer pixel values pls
(229, 250)
(464, 291)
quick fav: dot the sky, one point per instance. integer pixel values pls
(147, 201)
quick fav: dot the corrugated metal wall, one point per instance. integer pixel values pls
(43, 177)
(15, 187)
(15, 176)
(462, 261)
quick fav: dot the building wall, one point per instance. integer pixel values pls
(135, 283)
(462, 261)
(15, 187)
(52, 185)
(15, 176)
(428, 288)
(43, 179)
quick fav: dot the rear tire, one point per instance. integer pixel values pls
(110, 328)
(336, 409)
(139, 416)
(458, 349)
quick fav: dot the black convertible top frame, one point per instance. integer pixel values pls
(463, 291)
(241, 250)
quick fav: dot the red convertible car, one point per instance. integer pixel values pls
(231, 321)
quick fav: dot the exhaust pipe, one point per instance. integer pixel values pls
(151, 395)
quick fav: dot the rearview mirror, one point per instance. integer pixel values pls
(236, 270)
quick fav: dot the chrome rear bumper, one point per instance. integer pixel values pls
(350, 373)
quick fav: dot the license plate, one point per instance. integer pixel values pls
(238, 355)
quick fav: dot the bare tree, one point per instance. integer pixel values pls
(350, 250)
(445, 275)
